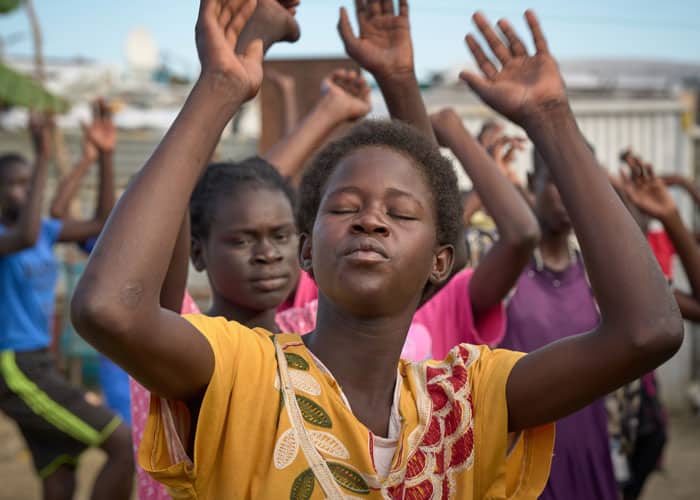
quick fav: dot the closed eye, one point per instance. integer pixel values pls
(402, 216)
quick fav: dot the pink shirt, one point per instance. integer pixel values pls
(443, 322)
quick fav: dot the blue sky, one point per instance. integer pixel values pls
(592, 28)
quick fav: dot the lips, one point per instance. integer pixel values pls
(270, 283)
(366, 250)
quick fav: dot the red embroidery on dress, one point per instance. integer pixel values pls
(417, 465)
(420, 491)
(446, 446)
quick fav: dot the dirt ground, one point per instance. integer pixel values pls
(680, 480)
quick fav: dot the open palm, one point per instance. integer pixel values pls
(384, 45)
(525, 84)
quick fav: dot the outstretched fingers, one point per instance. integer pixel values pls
(482, 60)
(388, 7)
(537, 35)
(517, 47)
(345, 29)
(497, 46)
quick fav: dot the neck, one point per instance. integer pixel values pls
(251, 319)
(554, 248)
(362, 353)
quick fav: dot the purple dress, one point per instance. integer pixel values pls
(548, 306)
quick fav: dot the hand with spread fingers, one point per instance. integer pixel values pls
(383, 46)
(647, 191)
(525, 84)
(347, 94)
(218, 28)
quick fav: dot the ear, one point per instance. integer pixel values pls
(443, 261)
(197, 255)
(305, 252)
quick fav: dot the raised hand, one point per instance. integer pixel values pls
(490, 131)
(218, 28)
(384, 45)
(101, 132)
(525, 85)
(347, 94)
(648, 192)
(41, 131)
(273, 21)
(503, 151)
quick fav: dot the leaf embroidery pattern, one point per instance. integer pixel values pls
(296, 361)
(302, 381)
(303, 486)
(286, 450)
(348, 478)
(313, 413)
(327, 443)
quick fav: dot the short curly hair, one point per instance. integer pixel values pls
(436, 169)
(224, 179)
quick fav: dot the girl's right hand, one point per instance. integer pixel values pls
(219, 25)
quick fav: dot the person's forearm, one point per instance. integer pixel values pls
(686, 248)
(68, 188)
(29, 222)
(405, 102)
(689, 306)
(516, 223)
(291, 153)
(615, 251)
(175, 283)
(105, 194)
(126, 271)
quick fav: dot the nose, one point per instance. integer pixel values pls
(370, 222)
(266, 252)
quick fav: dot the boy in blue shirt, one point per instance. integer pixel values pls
(56, 420)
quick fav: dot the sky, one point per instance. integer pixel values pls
(575, 29)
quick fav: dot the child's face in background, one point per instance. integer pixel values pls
(374, 240)
(251, 252)
(549, 208)
(15, 179)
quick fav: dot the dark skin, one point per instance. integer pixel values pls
(99, 143)
(116, 305)
(20, 199)
(384, 48)
(250, 256)
(649, 194)
(21, 191)
(554, 222)
(376, 197)
(641, 327)
(518, 232)
(344, 98)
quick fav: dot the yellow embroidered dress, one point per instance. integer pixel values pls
(453, 440)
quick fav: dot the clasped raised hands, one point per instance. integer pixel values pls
(219, 25)
(522, 86)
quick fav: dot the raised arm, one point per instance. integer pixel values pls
(102, 134)
(683, 182)
(286, 88)
(116, 306)
(650, 195)
(69, 185)
(25, 231)
(344, 97)
(518, 231)
(384, 48)
(640, 324)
